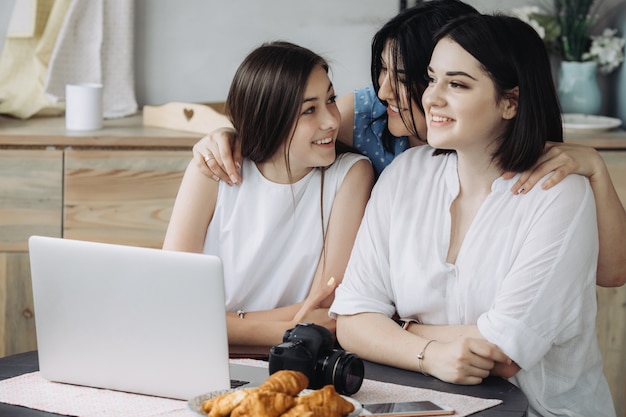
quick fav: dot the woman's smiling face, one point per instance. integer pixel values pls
(461, 103)
(393, 90)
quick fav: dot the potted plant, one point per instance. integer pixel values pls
(566, 32)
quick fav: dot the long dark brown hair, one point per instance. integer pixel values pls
(265, 99)
(266, 95)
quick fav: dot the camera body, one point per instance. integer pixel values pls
(309, 348)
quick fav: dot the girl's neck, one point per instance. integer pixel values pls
(275, 170)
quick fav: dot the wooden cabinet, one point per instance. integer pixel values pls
(30, 203)
(115, 185)
(31, 198)
(121, 196)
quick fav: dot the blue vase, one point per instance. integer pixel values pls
(578, 88)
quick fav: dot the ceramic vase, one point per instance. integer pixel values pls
(578, 88)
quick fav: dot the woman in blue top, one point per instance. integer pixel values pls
(381, 130)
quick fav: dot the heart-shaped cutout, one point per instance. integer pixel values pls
(188, 114)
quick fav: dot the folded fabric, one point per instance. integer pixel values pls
(74, 41)
(95, 45)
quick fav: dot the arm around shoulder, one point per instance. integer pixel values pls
(611, 230)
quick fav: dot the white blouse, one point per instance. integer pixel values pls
(269, 235)
(525, 274)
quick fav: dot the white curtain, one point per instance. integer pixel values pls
(95, 45)
(72, 41)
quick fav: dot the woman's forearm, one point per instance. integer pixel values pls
(611, 231)
(252, 332)
(451, 332)
(377, 338)
(445, 333)
(457, 354)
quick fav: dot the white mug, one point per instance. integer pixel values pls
(83, 106)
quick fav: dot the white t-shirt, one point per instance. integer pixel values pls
(269, 235)
(525, 274)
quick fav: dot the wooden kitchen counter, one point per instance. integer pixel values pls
(126, 132)
(603, 140)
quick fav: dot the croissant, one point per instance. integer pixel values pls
(264, 404)
(223, 405)
(286, 381)
(299, 410)
(327, 400)
(207, 405)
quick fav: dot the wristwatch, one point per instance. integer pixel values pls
(405, 323)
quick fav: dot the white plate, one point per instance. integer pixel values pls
(195, 404)
(579, 122)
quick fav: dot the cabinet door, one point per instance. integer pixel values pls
(17, 319)
(121, 196)
(611, 322)
(30, 203)
(30, 196)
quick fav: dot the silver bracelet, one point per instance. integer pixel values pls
(420, 356)
(241, 313)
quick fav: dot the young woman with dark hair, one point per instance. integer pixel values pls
(288, 231)
(494, 283)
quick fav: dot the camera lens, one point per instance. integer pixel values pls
(344, 371)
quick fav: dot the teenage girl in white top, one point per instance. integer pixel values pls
(284, 238)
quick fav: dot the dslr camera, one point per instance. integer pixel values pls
(309, 348)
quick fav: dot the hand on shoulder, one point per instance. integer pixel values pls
(562, 159)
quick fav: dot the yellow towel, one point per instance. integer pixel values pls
(24, 63)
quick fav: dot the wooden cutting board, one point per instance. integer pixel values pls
(188, 117)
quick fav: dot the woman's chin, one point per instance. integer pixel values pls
(398, 131)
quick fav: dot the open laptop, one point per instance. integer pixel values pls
(133, 319)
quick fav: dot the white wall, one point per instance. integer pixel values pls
(6, 6)
(188, 50)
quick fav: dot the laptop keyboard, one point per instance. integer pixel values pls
(235, 383)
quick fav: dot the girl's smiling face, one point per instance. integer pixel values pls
(313, 139)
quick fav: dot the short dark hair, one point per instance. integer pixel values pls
(266, 95)
(410, 34)
(513, 55)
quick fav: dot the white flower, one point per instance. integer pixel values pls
(607, 50)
